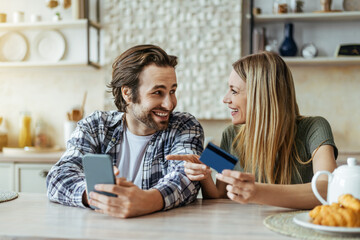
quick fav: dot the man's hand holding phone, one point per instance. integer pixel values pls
(126, 200)
(85, 195)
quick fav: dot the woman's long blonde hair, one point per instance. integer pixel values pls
(266, 142)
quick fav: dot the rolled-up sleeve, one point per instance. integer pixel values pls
(176, 188)
(66, 179)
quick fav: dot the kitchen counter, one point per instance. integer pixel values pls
(52, 157)
(33, 216)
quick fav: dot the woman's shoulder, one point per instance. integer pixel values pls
(231, 131)
(315, 131)
(312, 122)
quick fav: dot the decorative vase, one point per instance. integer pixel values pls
(288, 47)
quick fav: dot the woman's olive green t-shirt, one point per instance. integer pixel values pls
(311, 133)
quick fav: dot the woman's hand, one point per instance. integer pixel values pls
(241, 186)
(195, 170)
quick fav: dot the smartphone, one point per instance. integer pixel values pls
(98, 169)
(218, 159)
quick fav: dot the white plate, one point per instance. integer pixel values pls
(13, 47)
(50, 45)
(303, 219)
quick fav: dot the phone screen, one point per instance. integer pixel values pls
(98, 169)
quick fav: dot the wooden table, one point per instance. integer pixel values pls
(33, 216)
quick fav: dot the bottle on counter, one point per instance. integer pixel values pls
(41, 138)
(3, 134)
(25, 130)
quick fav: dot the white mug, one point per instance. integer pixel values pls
(18, 17)
(69, 127)
(35, 18)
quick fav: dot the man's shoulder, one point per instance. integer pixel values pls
(106, 118)
(182, 117)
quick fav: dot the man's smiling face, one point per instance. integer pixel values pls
(156, 99)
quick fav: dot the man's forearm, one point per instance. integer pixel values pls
(155, 200)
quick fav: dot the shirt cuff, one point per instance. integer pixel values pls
(78, 194)
(170, 196)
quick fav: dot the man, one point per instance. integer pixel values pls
(138, 137)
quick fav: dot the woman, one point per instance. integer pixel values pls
(278, 149)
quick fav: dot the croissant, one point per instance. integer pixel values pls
(348, 201)
(338, 214)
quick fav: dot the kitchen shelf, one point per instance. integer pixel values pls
(322, 60)
(45, 64)
(81, 23)
(67, 25)
(308, 18)
(332, 16)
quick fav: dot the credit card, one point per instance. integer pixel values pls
(218, 159)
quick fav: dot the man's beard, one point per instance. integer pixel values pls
(146, 117)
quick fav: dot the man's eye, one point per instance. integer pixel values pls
(233, 92)
(172, 91)
(157, 93)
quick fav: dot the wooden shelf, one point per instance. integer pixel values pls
(73, 24)
(322, 60)
(44, 25)
(331, 16)
(43, 64)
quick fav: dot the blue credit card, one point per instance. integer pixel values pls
(218, 159)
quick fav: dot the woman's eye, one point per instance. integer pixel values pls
(233, 92)
(157, 93)
(172, 91)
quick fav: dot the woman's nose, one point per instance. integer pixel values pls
(226, 98)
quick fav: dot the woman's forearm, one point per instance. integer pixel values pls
(208, 188)
(298, 196)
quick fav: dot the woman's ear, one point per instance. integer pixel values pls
(126, 93)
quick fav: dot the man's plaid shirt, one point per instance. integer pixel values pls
(102, 131)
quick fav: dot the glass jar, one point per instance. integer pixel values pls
(280, 6)
(41, 138)
(296, 6)
(3, 134)
(25, 130)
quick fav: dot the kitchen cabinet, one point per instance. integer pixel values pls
(24, 177)
(325, 30)
(31, 178)
(6, 176)
(26, 172)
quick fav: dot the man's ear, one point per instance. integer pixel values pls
(126, 93)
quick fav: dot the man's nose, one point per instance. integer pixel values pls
(168, 103)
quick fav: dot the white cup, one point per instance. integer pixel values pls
(35, 18)
(18, 17)
(69, 127)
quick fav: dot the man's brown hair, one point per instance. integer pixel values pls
(128, 66)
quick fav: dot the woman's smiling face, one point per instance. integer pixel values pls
(236, 98)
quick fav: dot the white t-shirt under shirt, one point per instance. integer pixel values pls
(131, 157)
